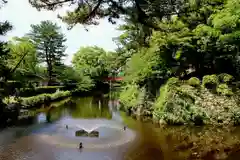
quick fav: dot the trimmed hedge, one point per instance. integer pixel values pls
(26, 92)
(34, 101)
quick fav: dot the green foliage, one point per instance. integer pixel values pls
(4, 51)
(194, 81)
(26, 92)
(133, 36)
(145, 64)
(85, 84)
(69, 74)
(49, 42)
(39, 99)
(210, 81)
(181, 103)
(89, 12)
(236, 118)
(176, 105)
(92, 65)
(201, 40)
(223, 89)
(225, 78)
(132, 96)
(9, 100)
(91, 61)
(201, 34)
(23, 59)
(60, 94)
(162, 99)
(173, 81)
(166, 92)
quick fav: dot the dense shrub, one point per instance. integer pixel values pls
(184, 104)
(132, 96)
(173, 81)
(210, 81)
(225, 78)
(195, 82)
(223, 89)
(9, 100)
(166, 91)
(236, 118)
(176, 105)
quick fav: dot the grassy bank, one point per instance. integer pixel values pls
(27, 92)
(35, 101)
(212, 100)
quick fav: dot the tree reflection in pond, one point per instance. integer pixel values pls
(90, 108)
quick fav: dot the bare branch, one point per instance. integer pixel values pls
(19, 62)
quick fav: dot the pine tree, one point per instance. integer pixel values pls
(50, 46)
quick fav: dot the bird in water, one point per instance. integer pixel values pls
(124, 128)
(80, 145)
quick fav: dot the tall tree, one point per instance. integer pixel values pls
(50, 46)
(4, 52)
(91, 61)
(4, 28)
(92, 64)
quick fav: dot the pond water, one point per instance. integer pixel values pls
(51, 135)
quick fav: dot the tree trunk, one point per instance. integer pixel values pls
(49, 66)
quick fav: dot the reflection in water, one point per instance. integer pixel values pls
(42, 118)
(90, 108)
(99, 126)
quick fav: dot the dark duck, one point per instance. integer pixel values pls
(80, 145)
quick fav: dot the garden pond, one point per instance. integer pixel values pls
(109, 134)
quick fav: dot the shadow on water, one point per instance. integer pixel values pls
(97, 123)
(183, 142)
